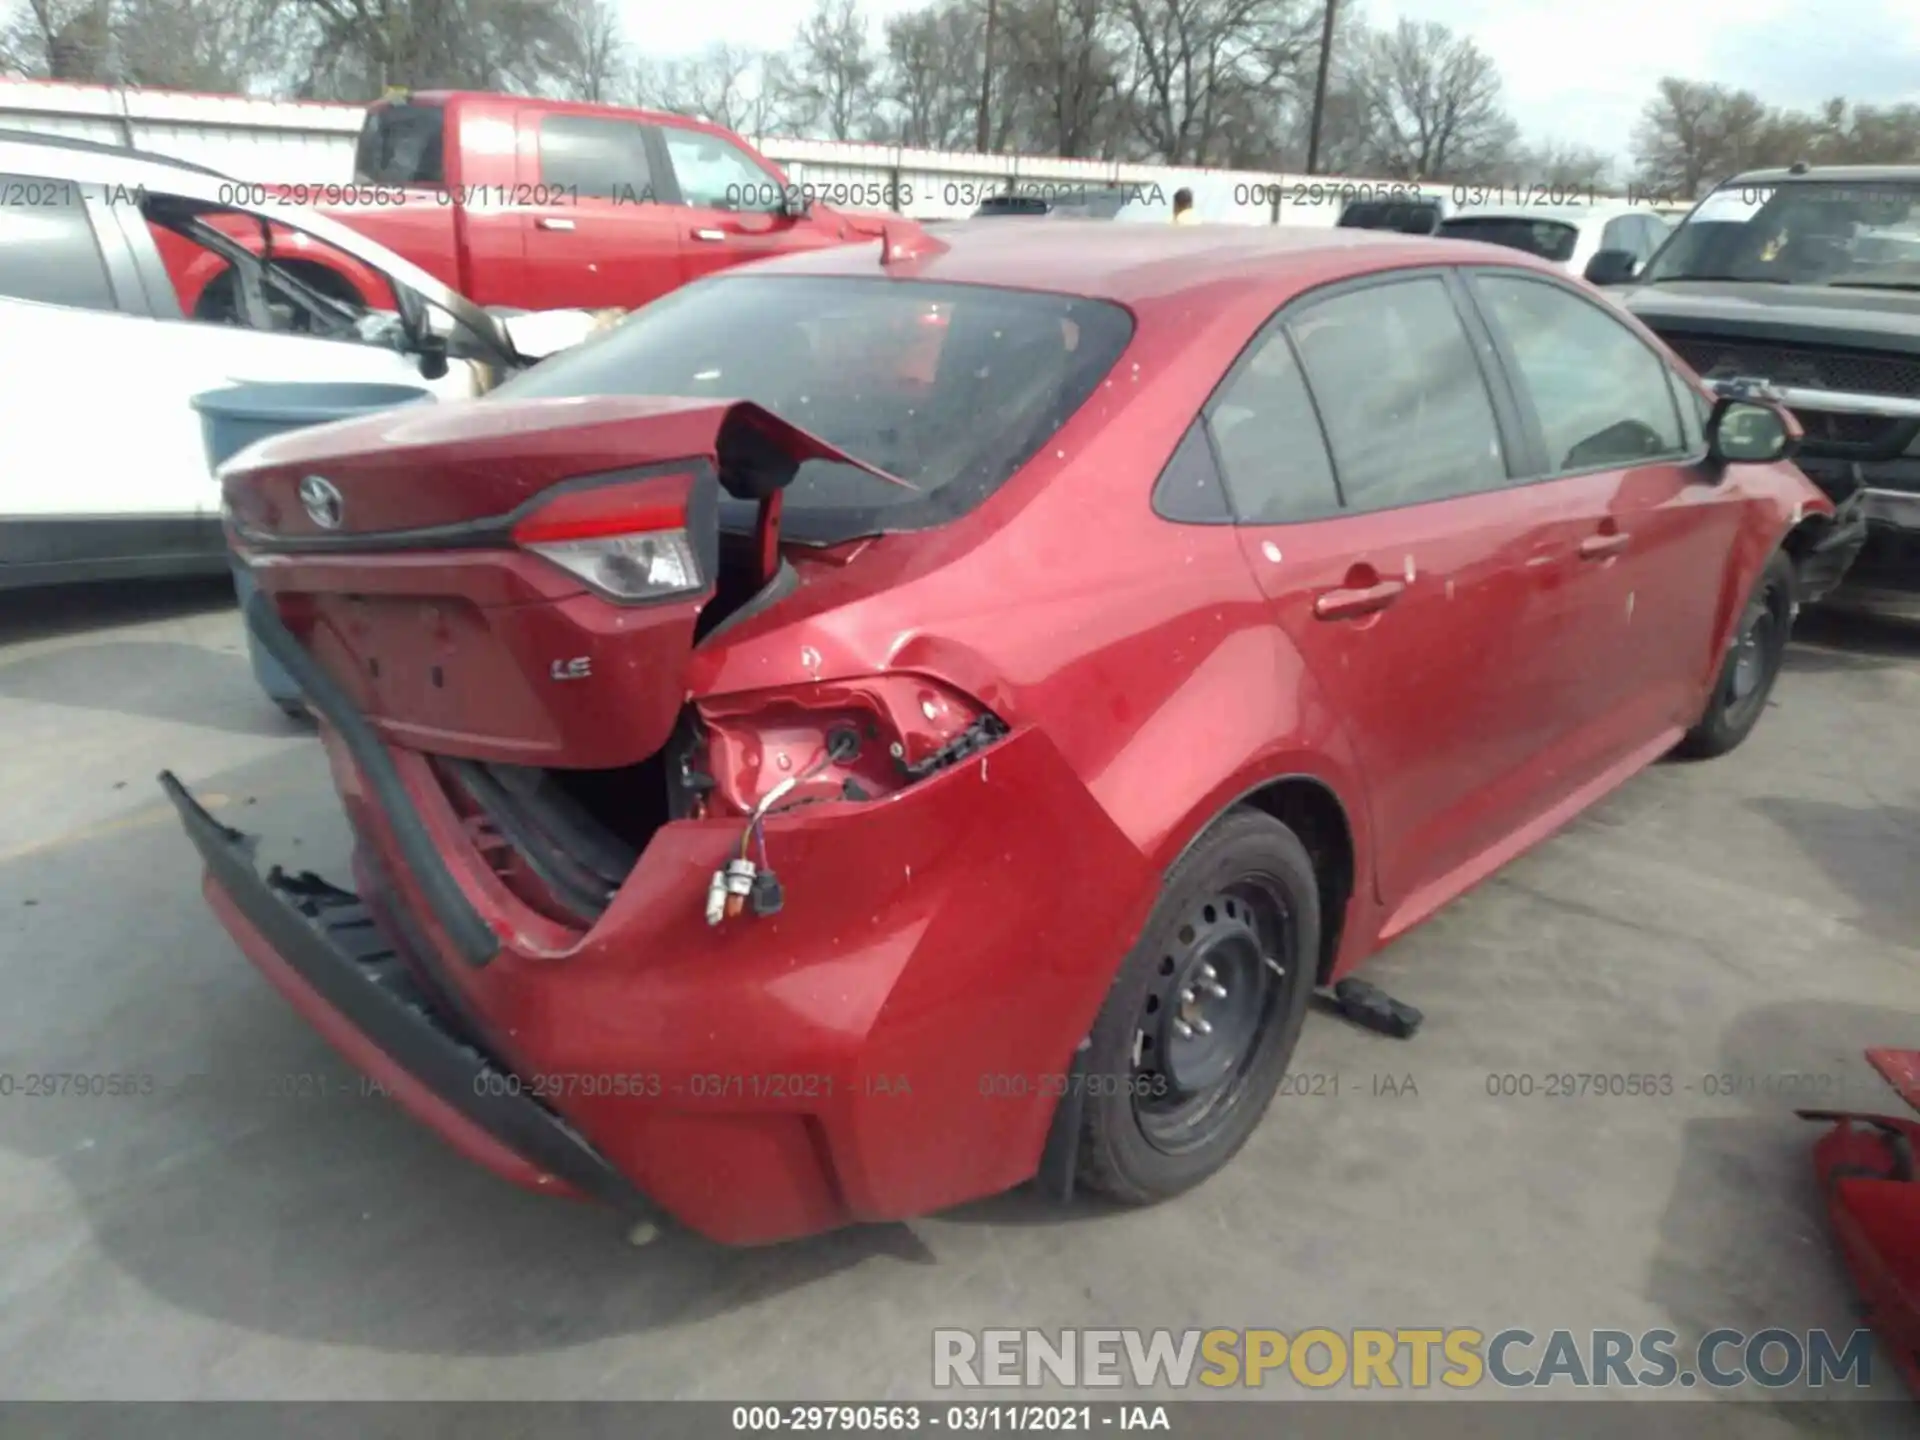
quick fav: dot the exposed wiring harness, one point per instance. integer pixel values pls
(741, 880)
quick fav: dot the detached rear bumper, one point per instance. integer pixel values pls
(892, 1042)
(320, 948)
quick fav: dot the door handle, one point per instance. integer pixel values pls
(707, 234)
(553, 222)
(1598, 547)
(1344, 604)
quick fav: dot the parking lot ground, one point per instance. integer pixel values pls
(1731, 925)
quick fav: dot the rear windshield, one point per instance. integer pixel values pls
(1408, 217)
(400, 145)
(950, 387)
(1549, 239)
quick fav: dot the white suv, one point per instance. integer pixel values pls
(105, 473)
(1608, 242)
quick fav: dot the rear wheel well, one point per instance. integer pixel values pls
(1312, 812)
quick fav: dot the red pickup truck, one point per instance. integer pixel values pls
(548, 204)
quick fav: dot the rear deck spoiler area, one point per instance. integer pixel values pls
(504, 455)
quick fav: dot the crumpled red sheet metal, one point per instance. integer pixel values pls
(1866, 1165)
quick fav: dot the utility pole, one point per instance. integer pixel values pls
(1320, 88)
(986, 81)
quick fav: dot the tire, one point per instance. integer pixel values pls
(1752, 664)
(1241, 900)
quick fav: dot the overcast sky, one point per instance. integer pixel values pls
(1574, 73)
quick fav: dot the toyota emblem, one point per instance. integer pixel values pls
(323, 502)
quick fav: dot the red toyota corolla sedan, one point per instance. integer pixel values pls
(949, 739)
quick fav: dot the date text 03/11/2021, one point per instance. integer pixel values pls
(972, 1418)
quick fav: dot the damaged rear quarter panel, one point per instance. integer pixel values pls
(914, 946)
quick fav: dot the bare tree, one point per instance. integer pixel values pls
(59, 40)
(1883, 135)
(930, 101)
(1064, 58)
(592, 63)
(724, 84)
(355, 49)
(1554, 166)
(1191, 63)
(1839, 133)
(828, 86)
(1432, 104)
(217, 45)
(1692, 133)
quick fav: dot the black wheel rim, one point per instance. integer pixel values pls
(1757, 648)
(1219, 985)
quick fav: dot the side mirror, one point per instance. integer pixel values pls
(1612, 267)
(795, 204)
(433, 357)
(1747, 432)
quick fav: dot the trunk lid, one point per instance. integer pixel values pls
(515, 581)
(440, 466)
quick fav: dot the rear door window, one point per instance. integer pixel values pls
(1189, 490)
(1601, 397)
(48, 251)
(401, 145)
(1400, 393)
(1268, 438)
(593, 158)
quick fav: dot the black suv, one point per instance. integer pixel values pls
(1809, 280)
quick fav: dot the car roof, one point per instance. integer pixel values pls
(1210, 265)
(1858, 174)
(35, 148)
(585, 109)
(1563, 214)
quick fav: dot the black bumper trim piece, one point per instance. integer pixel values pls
(584, 894)
(369, 986)
(470, 934)
(1831, 556)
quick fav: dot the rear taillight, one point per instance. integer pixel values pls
(629, 540)
(849, 740)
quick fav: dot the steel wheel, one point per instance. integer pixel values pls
(1749, 667)
(1220, 984)
(1758, 648)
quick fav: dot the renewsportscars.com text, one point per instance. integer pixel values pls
(1457, 1358)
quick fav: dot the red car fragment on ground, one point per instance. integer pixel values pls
(1866, 1169)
